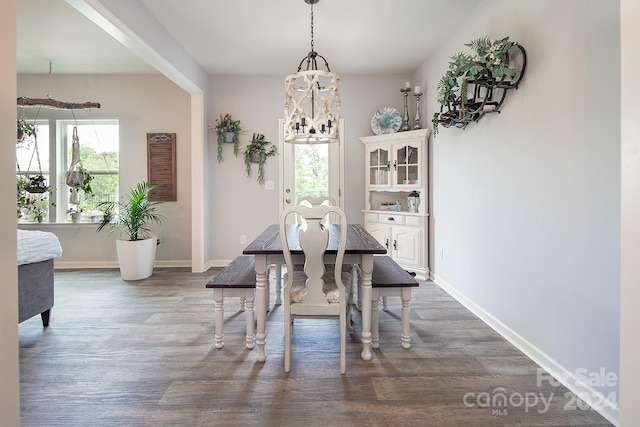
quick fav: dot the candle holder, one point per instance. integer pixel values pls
(416, 123)
(405, 117)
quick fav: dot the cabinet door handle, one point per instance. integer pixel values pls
(395, 245)
(386, 243)
(395, 165)
(391, 218)
(388, 166)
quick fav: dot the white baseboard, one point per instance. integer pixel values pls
(80, 265)
(604, 405)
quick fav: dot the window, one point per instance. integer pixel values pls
(99, 153)
(32, 161)
(99, 148)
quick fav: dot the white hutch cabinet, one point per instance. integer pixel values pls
(396, 165)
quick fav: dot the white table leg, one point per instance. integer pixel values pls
(218, 303)
(406, 324)
(367, 267)
(261, 304)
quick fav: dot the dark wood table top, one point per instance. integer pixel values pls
(359, 241)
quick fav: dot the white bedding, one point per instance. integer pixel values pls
(36, 246)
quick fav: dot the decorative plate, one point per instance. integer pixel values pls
(386, 120)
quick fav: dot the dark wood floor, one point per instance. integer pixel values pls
(141, 353)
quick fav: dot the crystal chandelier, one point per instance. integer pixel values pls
(312, 103)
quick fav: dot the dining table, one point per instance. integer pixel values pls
(267, 249)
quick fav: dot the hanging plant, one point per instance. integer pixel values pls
(257, 152)
(37, 184)
(78, 181)
(31, 203)
(228, 131)
(24, 129)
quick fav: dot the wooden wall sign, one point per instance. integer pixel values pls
(161, 166)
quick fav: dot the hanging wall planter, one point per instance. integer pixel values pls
(228, 131)
(257, 152)
(477, 84)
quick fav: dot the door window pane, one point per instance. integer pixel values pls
(312, 170)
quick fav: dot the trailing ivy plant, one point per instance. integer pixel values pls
(225, 124)
(257, 152)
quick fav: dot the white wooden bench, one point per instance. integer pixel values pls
(389, 279)
(238, 279)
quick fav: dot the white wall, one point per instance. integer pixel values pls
(242, 207)
(630, 183)
(9, 361)
(143, 104)
(527, 202)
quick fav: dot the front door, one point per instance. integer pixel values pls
(310, 170)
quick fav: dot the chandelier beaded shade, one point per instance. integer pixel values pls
(312, 103)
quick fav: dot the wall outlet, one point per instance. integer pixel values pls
(243, 240)
(159, 241)
(442, 254)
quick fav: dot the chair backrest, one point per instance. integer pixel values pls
(314, 202)
(312, 237)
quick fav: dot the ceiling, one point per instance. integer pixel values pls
(245, 37)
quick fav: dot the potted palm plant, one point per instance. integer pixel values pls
(133, 217)
(228, 131)
(257, 152)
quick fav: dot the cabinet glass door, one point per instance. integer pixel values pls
(407, 167)
(379, 167)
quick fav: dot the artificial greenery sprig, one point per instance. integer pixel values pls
(225, 124)
(260, 148)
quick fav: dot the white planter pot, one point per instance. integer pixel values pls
(136, 258)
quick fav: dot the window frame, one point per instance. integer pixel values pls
(63, 139)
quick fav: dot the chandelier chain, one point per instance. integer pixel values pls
(312, 27)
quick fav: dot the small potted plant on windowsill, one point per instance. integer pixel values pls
(133, 217)
(228, 131)
(257, 152)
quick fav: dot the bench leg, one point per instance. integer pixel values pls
(218, 297)
(249, 300)
(375, 314)
(406, 334)
(384, 304)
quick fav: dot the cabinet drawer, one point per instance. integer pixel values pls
(414, 221)
(391, 219)
(370, 217)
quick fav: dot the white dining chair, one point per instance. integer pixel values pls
(311, 202)
(314, 291)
